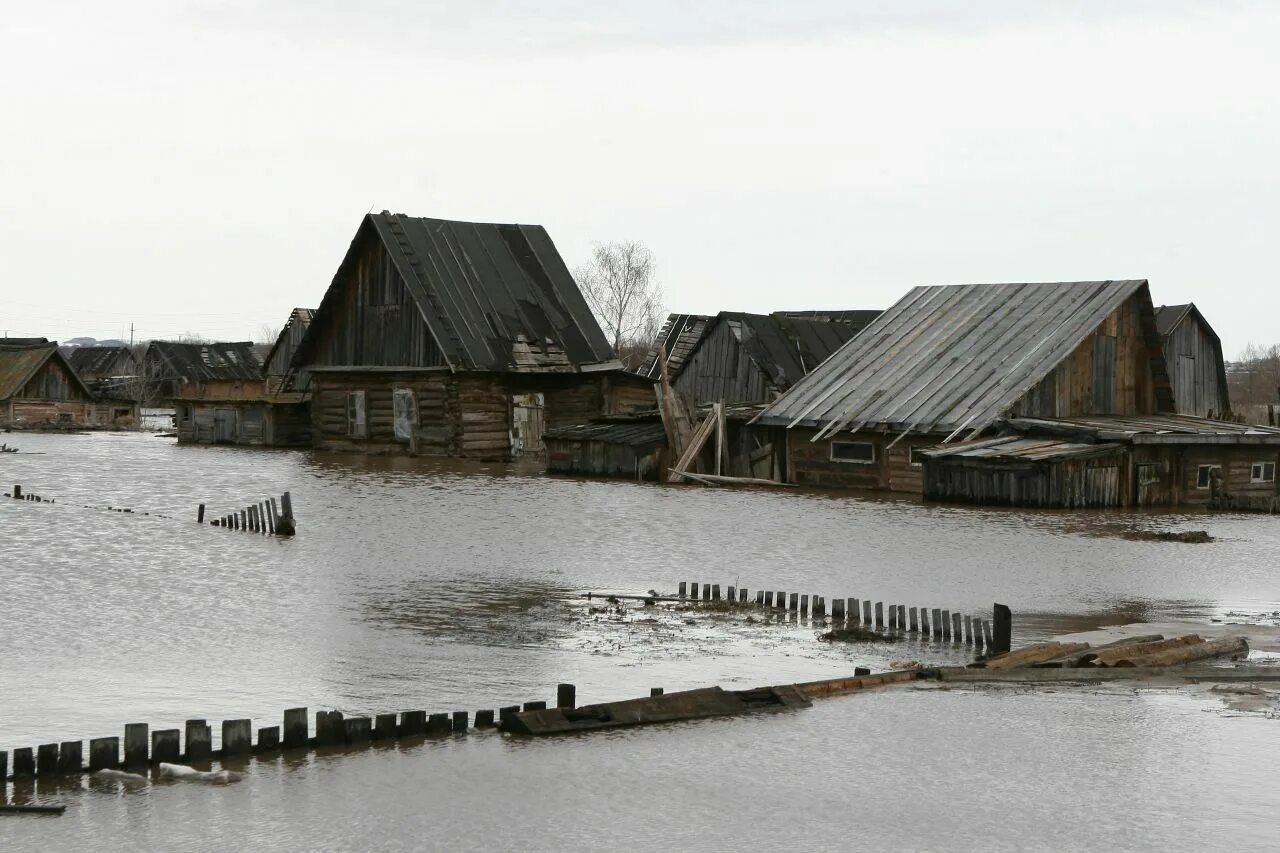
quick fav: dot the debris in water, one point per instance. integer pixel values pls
(1193, 537)
(855, 635)
(181, 771)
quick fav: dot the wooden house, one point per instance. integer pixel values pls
(1193, 353)
(278, 366)
(678, 337)
(456, 338)
(95, 364)
(752, 358)
(40, 389)
(220, 395)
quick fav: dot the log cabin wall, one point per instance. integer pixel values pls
(1062, 484)
(1196, 369)
(30, 413)
(889, 469)
(1109, 373)
(1237, 464)
(378, 323)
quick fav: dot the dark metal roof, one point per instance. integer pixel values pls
(1015, 448)
(950, 358)
(633, 432)
(680, 335)
(22, 342)
(495, 297)
(19, 363)
(786, 348)
(210, 362)
(859, 319)
(99, 359)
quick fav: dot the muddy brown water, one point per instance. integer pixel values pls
(443, 586)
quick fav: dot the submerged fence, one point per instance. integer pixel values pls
(261, 517)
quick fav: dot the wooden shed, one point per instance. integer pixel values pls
(632, 447)
(947, 363)
(456, 338)
(1193, 353)
(40, 389)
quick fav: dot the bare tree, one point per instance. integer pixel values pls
(1255, 377)
(620, 287)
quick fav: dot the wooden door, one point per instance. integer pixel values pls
(527, 420)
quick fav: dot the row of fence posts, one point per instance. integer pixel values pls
(144, 748)
(993, 635)
(262, 517)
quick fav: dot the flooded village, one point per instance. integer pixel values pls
(621, 429)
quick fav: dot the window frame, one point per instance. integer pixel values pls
(870, 444)
(1207, 479)
(1156, 469)
(1263, 478)
(357, 414)
(911, 455)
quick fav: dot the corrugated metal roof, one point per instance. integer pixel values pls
(487, 292)
(647, 432)
(1168, 316)
(1015, 448)
(950, 357)
(19, 363)
(208, 362)
(680, 335)
(785, 347)
(99, 359)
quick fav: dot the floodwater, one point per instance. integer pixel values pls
(443, 586)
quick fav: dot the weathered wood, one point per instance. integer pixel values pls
(715, 592)
(913, 624)
(460, 721)
(683, 588)
(1001, 628)
(1136, 646)
(237, 737)
(768, 598)
(804, 605)
(731, 594)
(295, 727)
(706, 592)
(957, 629)
(47, 759)
(166, 746)
(819, 605)
(936, 622)
(760, 598)
(413, 723)
(268, 739)
(384, 727)
(1221, 647)
(330, 729)
(538, 705)
(924, 621)
(1034, 654)
(136, 744)
(656, 691)
(866, 612)
(946, 624)
(781, 600)
(70, 758)
(986, 637)
(852, 610)
(24, 762)
(730, 481)
(879, 614)
(438, 724)
(200, 514)
(484, 719)
(742, 595)
(199, 740)
(357, 730)
(793, 603)
(4, 766)
(566, 696)
(696, 443)
(31, 809)
(693, 591)
(104, 754)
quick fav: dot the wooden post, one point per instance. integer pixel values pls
(968, 630)
(384, 727)
(759, 598)
(924, 621)
(268, 738)
(104, 754)
(742, 595)
(484, 719)
(768, 598)
(70, 758)
(913, 625)
(254, 522)
(136, 744)
(357, 729)
(683, 588)
(805, 608)
(271, 521)
(295, 727)
(986, 637)
(879, 614)
(902, 617)
(706, 592)
(17, 493)
(438, 724)
(537, 705)
(460, 721)
(506, 713)
(165, 746)
(566, 696)
(956, 629)
(237, 737)
(24, 762)
(859, 671)
(893, 617)
(937, 622)
(413, 723)
(4, 766)
(199, 741)
(47, 759)
(731, 594)
(819, 606)
(1001, 629)
(275, 514)
(244, 519)
(977, 636)
(946, 624)
(866, 612)
(715, 592)
(655, 691)
(851, 610)
(325, 724)
(200, 515)
(794, 604)
(693, 590)
(781, 600)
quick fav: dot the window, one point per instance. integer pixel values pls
(861, 452)
(355, 415)
(1148, 473)
(917, 455)
(404, 413)
(1204, 475)
(1262, 472)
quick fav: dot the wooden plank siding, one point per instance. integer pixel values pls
(810, 462)
(52, 382)
(1195, 364)
(719, 370)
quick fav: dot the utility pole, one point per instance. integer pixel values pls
(130, 336)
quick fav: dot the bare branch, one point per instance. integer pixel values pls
(620, 287)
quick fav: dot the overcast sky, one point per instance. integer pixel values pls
(201, 167)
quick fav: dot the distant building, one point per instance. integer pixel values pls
(95, 363)
(220, 395)
(1193, 353)
(39, 388)
(456, 338)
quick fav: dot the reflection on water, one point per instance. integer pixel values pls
(440, 585)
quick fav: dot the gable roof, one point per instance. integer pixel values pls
(1169, 316)
(858, 318)
(486, 291)
(209, 362)
(294, 328)
(784, 348)
(948, 358)
(97, 359)
(680, 335)
(19, 363)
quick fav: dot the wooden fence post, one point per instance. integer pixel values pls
(1001, 629)
(793, 604)
(384, 727)
(136, 744)
(946, 624)
(986, 637)
(566, 696)
(104, 754)
(484, 719)
(693, 590)
(199, 741)
(295, 727)
(268, 738)
(936, 620)
(24, 762)
(460, 721)
(914, 624)
(781, 600)
(742, 595)
(47, 759)
(413, 723)
(879, 614)
(715, 592)
(70, 757)
(237, 737)
(165, 746)
(200, 515)
(956, 631)
(357, 730)
(684, 585)
(4, 765)
(866, 613)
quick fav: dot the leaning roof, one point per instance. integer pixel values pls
(947, 358)
(98, 359)
(786, 347)
(494, 296)
(19, 363)
(210, 362)
(680, 336)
